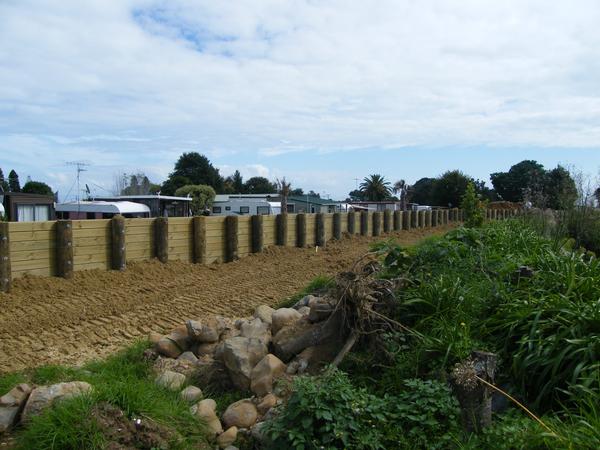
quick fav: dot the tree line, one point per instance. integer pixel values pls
(12, 184)
(527, 181)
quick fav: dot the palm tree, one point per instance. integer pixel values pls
(375, 188)
(284, 191)
(401, 187)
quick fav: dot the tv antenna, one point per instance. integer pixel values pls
(80, 165)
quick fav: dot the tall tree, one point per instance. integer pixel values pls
(13, 182)
(197, 169)
(421, 191)
(37, 187)
(3, 182)
(560, 189)
(400, 187)
(449, 188)
(283, 189)
(259, 185)
(238, 182)
(375, 188)
(526, 177)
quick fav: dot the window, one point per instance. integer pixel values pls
(228, 208)
(244, 209)
(262, 210)
(291, 208)
(216, 209)
(33, 213)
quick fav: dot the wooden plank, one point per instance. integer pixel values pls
(19, 266)
(23, 246)
(44, 235)
(90, 224)
(17, 227)
(82, 251)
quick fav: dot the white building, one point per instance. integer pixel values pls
(246, 204)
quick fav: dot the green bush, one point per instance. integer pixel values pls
(473, 207)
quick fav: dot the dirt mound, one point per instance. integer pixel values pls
(57, 321)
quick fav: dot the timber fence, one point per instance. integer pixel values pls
(58, 248)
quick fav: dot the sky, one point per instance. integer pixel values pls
(324, 93)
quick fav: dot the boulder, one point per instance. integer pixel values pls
(264, 313)
(180, 336)
(304, 311)
(227, 438)
(240, 355)
(188, 356)
(168, 347)
(241, 414)
(256, 329)
(263, 374)
(191, 394)
(268, 402)
(207, 330)
(154, 337)
(305, 301)
(43, 397)
(294, 338)
(320, 310)
(11, 405)
(283, 317)
(182, 366)
(203, 349)
(206, 410)
(171, 380)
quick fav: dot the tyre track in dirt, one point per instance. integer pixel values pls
(56, 321)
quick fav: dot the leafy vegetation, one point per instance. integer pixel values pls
(473, 207)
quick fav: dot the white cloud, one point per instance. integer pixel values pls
(134, 83)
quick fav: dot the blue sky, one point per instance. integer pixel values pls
(319, 92)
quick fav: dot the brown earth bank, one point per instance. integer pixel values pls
(56, 321)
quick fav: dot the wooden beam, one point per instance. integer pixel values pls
(5, 270)
(397, 220)
(231, 238)
(337, 226)
(351, 223)
(257, 233)
(387, 221)
(199, 239)
(406, 219)
(64, 248)
(320, 230)
(301, 230)
(118, 255)
(161, 239)
(376, 223)
(281, 221)
(364, 223)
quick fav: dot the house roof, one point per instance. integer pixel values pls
(103, 207)
(144, 197)
(313, 200)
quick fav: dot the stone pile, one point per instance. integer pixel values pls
(252, 354)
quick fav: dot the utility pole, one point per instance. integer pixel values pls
(80, 165)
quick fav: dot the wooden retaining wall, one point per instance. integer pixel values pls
(33, 247)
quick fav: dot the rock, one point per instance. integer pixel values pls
(304, 311)
(175, 365)
(227, 438)
(206, 410)
(16, 396)
(256, 329)
(304, 301)
(180, 336)
(240, 355)
(43, 397)
(171, 380)
(168, 347)
(242, 414)
(231, 447)
(191, 394)
(263, 374)
(320, 310)
(203, 349)
(264, 313)
(207, 330)
(257, 433)
(210, 371)
(9, 416)
(268, 402)
(283, 317)
(154, 337)
(294, 338)
(188, 356)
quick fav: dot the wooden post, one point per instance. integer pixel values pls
(161, 238)
(376, 223)
(456, 217)
(415, 219)
(199, 225)
(407, 219)
(364, 223)
(397, 220)
(64, 248)
(428, 215)
(446, 216)
(281, 228)
(351, 223)
(301, 230)
(421, 219)
(231, 238)
(475, 399)
(118, 243)
(5, 270)
(387, 221)
(257, 233)
(434, 218)
(320, 230)
(337, 226)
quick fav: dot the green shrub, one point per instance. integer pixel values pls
(473, 207)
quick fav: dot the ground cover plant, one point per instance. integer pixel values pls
(124, 390)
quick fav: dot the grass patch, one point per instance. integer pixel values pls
(10, 380)
(317, 286)
(125, 381)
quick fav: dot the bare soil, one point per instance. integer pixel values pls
(55, 321)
